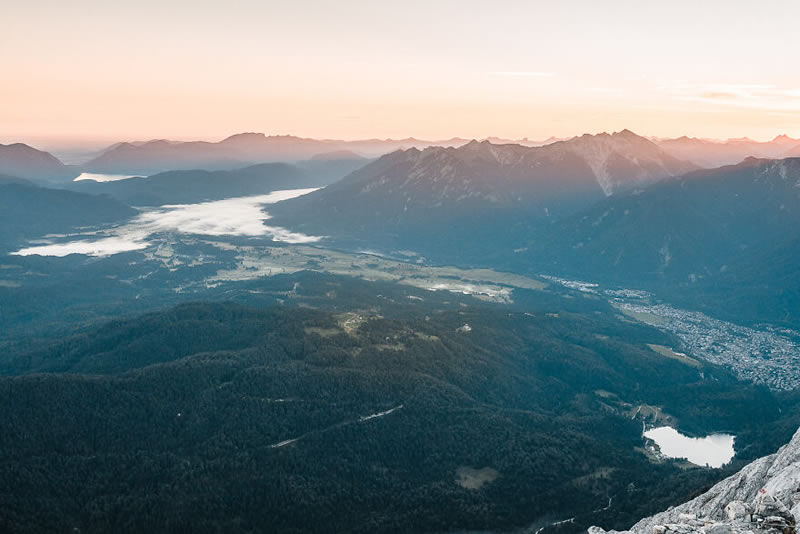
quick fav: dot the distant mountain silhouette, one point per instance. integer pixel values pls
(23, 161)
(235, 151)
(157, 156)
(248, 148)
(709, 153)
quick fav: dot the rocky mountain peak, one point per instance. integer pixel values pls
(249, 136)
(783, 138)
(625, 133)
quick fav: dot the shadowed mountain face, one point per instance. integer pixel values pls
(27, 211)
(693, 226)
(727, 234)
(23, 161)
(709, 154)
(477, 182)
(177, 187)
(330, 167)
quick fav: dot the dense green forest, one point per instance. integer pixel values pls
(356, 413)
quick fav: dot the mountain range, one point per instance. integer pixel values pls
(711, 153)
(611, 208)
(235, 151)
(414, 190)
(241, 150)
(247, 148)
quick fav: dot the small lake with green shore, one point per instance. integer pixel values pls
(714, 450)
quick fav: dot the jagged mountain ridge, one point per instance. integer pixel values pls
(623, 159)
(159, 155)
(247, 148)
(414, 187)
(244, 148)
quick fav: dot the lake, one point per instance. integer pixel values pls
(714, 450)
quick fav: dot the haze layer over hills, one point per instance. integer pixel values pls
(712, 153)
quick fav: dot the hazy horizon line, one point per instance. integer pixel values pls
(101, 142)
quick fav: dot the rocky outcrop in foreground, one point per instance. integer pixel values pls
(764, 497)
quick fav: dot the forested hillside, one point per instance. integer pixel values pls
(29, 211)
(422, 417)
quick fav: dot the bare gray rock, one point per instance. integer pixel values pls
(719, 528)
(738, 511)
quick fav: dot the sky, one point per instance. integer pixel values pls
(84, 71)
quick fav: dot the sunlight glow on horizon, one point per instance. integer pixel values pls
(94, 71)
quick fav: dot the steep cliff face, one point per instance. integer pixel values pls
(762, 497)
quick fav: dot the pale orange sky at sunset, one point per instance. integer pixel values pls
(92, 71)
